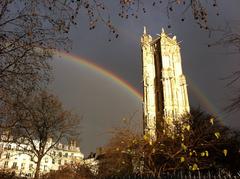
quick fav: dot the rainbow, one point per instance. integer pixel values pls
(106, 73)
(124, 84)
(203, 100)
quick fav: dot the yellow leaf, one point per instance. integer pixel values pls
(195, 167)
(203, 154)
(188, 127)
(182, 159)
(145, 137)
(184, 147)
(212, 121)
(206, 152)
(225, 152)
(182, 137)
(217, 134)
(190, 153)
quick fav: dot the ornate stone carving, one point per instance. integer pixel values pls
(163, 79)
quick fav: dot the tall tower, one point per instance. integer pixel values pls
(164, 85)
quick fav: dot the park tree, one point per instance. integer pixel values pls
(29, 31)
(75, 171)
(40, 118)
(202, 143)
(117, 159)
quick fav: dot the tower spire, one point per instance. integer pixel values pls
(163, 30)
(144, 30)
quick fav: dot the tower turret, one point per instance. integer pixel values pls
(164, 84)
(148, 86)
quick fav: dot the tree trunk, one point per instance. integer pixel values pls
(37, 172)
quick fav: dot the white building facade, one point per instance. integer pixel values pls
(164, 84)
(15, 158)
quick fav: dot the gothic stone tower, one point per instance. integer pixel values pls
(164, 85)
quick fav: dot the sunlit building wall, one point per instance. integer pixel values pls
(164, 84)
(15, 158)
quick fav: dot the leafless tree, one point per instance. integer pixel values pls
(198, 8)
(29, 30)
(230, 39)
(39, 118)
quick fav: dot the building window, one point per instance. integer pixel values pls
(6, 164)
(60, 154)
(45, 167)
(5, 147)
(22, 166)
(59, 162)
(14, 166)
(7, 155)
(9, 147)
(53, 161)
(54, 153)
(29, 175)
(46, 160)
(66, 155)
(65, 161)
(31, 167)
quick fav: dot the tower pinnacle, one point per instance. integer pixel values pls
(163, 30)
(144, 30)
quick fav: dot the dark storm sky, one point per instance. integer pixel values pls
(103, 103)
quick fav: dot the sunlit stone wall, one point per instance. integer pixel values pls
(162, 66)
(149, 107)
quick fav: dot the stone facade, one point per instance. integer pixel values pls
(15, 158)
(164, 85)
